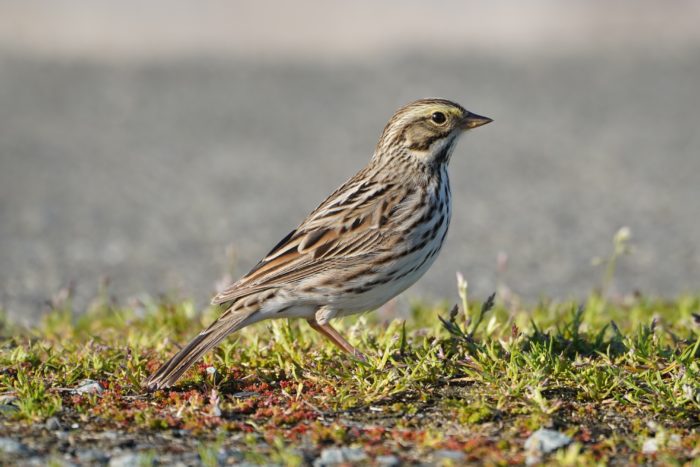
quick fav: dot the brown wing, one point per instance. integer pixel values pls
(350, 224)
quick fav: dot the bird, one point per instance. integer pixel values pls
(371, 239)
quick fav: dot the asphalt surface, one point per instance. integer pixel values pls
(162, 175)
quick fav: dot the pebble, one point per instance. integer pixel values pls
(7, 409)
(40, 461)
(389, 461)
(650, 446)
(91, 456)
(127, 460)
(7, 404)
(88, 386)
(544, 441)
(334, 456)
(11, 446)
(52, 424)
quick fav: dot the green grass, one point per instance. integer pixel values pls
(609, 374)
(475, 379)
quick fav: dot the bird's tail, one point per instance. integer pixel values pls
(171, 371)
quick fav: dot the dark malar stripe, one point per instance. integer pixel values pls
(424, 145)
(444, 154)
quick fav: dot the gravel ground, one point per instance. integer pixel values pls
(148, 172)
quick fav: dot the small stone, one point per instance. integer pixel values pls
(128, 460)
(544, 441)
(88, 386)
(650, 446)
(91, 456)
(690, 392)
(7, 404)
(334, 456)
(40, 461)
(62, 435)
(389, 461)
(449, 455)
(52, 424)
(12, 446)
(7, 409)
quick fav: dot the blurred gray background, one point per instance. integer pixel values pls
(164, 144)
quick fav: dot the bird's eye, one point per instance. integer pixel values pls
(438, 117)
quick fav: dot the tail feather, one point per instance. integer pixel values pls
(171, 371)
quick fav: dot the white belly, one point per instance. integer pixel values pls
(395, 277)
(396, 268)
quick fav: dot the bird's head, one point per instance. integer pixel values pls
(427, 129)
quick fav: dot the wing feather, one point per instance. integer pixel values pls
(344, 229)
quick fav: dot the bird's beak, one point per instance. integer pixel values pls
(473, 120)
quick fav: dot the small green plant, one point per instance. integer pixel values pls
(277, 393)
(466, 331)
(34, 400)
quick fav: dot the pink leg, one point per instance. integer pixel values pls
(333, 335)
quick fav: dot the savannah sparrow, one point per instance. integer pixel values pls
(366, 243)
